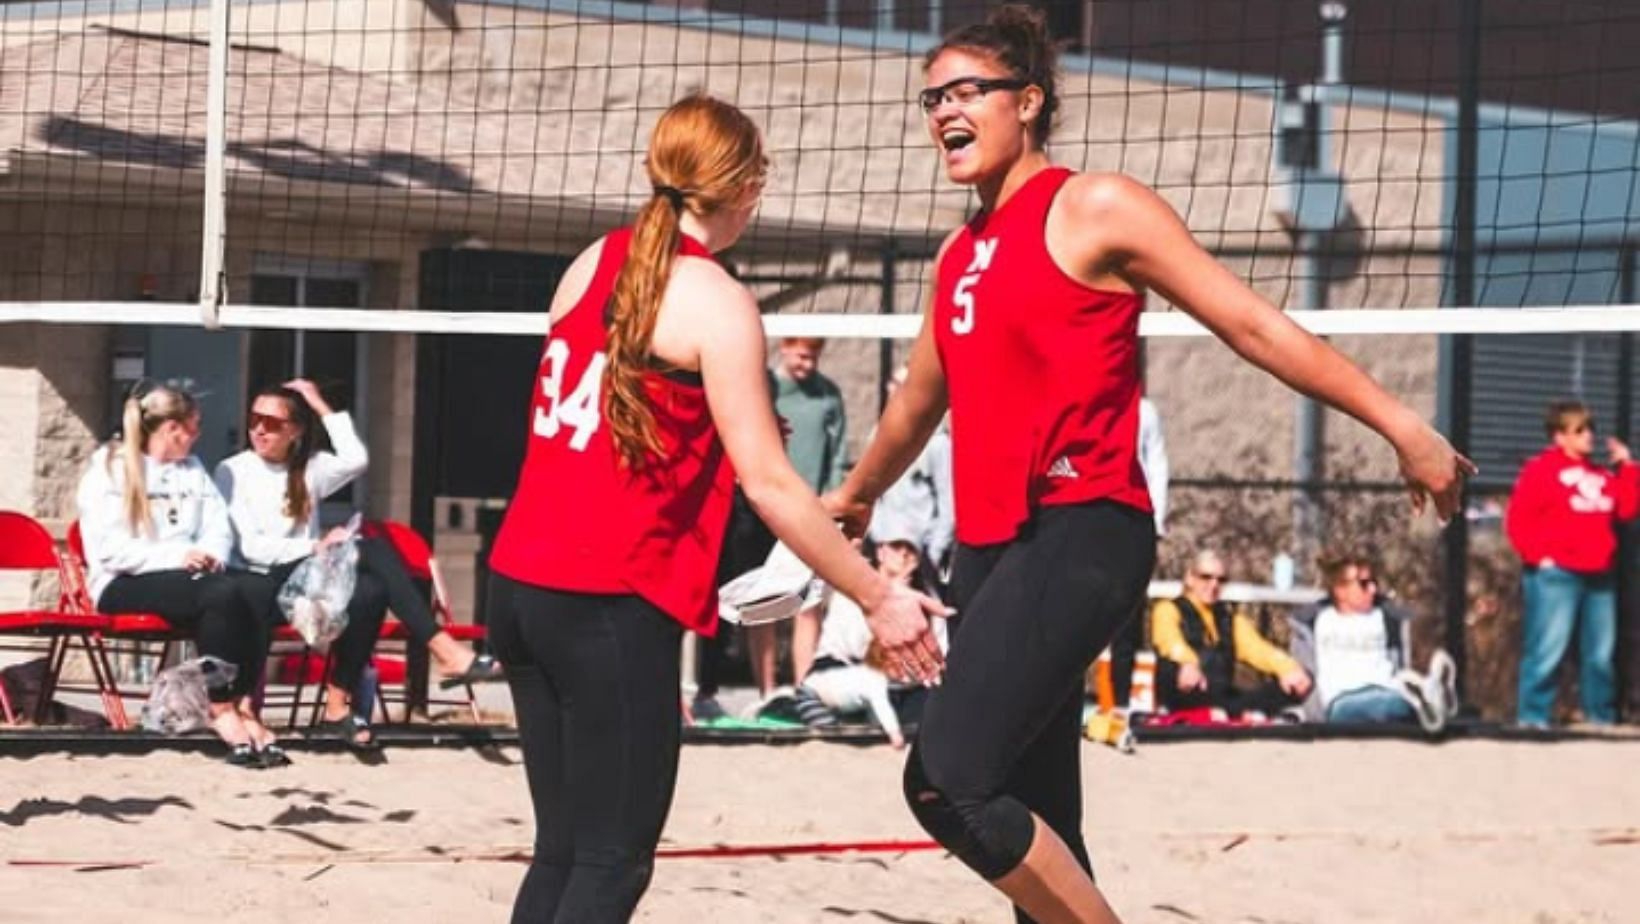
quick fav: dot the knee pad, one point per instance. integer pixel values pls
(991, 834)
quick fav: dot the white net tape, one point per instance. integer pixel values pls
(1567, 320)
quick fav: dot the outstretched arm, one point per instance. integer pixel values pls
(731, 350)
(907, 423)
(1141, 238)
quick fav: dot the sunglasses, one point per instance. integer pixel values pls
(269, 422)
(966, 91)
(1210, 578)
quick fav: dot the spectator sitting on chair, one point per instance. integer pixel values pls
(1199, 639)
(1356, 644)
(1562, 519)
(273, 491)
(157, 540)
(848, 674)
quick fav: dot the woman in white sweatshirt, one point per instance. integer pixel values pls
(157, 538)
(273, 490)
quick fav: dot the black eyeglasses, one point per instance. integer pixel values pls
(966, 91)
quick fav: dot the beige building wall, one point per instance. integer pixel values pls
(848, 149)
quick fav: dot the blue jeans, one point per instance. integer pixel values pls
(1558, 601)
(1371, 704)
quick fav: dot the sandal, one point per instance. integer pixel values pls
(243, 755)
(272, 755)
(483, 669)
(349, 727)
(240, 753)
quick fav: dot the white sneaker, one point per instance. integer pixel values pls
(1431, 714)
(1443, 673)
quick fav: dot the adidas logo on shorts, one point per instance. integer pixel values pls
(1062, 468)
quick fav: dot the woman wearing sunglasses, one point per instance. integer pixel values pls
(157, 538)
(1031, 341)
(273, 491)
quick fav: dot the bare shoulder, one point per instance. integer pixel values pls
(703, 289)
(704, 306)
(577, 279)
(1103, 195)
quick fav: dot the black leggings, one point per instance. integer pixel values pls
(594, 682)
(381, 582)
(215, 608)
(1000, 738)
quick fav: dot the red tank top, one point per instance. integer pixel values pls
(1042, 373)
(579, 521)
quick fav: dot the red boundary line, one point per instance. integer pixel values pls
(786, 850)
(718, 851)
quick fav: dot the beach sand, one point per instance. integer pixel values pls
(1259, 832)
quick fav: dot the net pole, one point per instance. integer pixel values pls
(212, 280)
(1456, 537)
(1627, 583)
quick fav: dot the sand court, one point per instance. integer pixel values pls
(1252, 831)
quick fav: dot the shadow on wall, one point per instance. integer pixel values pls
(287, 157)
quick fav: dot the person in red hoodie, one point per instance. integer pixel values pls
(1562, 519)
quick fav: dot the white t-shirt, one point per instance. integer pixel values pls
(185, 513)
(1351, 652)
(846, 636)
(255, 492)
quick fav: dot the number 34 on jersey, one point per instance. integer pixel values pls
(580, 411)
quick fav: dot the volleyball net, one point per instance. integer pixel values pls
(429, 166)
(1314, 146)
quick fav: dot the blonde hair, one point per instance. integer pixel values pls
(703, 156)
(146, 408)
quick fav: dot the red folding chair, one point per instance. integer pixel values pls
(418, 560)
(139, 635)
(25, 545)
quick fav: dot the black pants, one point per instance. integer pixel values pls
(1268, 697)
(594, 681)
(1000, 738)
(381, 583)
(215, 608)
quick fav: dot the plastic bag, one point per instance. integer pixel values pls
(180, 701)
(314, 598)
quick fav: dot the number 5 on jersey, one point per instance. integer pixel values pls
(963, 295)
(580, 411)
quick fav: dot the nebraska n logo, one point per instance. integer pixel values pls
(984, 253)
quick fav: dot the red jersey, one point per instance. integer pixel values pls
(580, 521)
(1567, 510)
(1042, 373)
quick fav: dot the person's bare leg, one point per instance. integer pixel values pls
(1052, 887)
(261, 736)
(805, 639)
(761, 648)
(451, 656)
(226, 722)
(336, 702)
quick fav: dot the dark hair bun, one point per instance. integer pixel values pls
(1016, 36)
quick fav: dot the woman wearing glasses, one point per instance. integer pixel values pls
(1199, 640)
(157, 539)
(1031, 341)
(273, 490)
